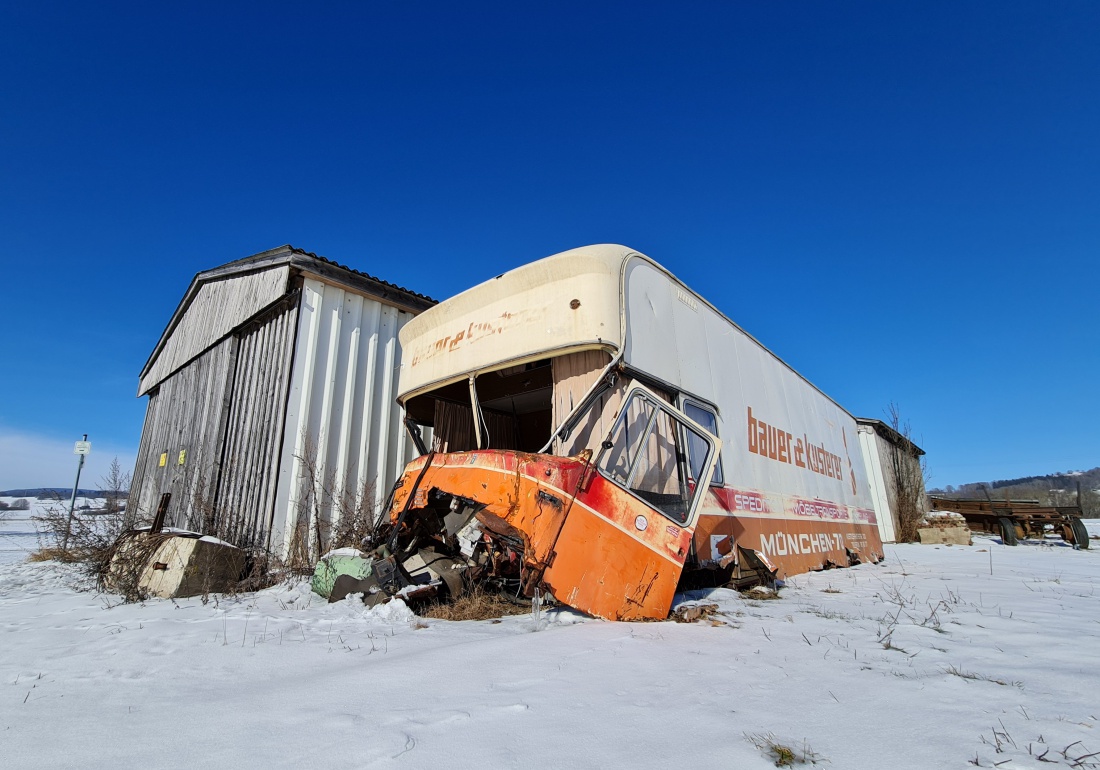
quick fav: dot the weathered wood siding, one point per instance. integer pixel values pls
(186, 414)
(344, 439)
(217, 308)
(246, 487)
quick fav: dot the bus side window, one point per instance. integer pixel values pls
(696, 447)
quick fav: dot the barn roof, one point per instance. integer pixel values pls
(319, 265)
(891, 435)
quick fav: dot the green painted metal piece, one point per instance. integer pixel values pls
(334, 565)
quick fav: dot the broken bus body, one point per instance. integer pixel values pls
(594, 429)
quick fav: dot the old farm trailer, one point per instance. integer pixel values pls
(1014, 520)
(598, 428)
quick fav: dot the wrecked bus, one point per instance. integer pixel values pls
(593, 429)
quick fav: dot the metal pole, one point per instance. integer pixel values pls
(72, 502)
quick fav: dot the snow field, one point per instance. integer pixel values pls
(924, 661)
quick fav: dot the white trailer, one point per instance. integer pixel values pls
(622, 428)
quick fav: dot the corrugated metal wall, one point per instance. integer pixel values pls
(247, 484)
(182, 441)
(344, 440)
(880, 477)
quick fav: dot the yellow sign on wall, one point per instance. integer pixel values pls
(183, 457)
(163, 459)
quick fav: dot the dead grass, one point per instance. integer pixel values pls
(971, 676)
(761, 594)
(476, 605)
(781, 753)
(694, 612)
(53, 554)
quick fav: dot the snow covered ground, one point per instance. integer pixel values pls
(938, 658)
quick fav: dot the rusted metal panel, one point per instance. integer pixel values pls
(586, 541)
(611, 545)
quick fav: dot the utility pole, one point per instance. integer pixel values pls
(82, 448)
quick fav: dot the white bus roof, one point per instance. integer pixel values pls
(567, 302)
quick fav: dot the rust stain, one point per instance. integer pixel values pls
(474, 331)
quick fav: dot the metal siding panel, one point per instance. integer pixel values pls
(341, 400)
(868, 444)
(401, 454)
(387, 334)
(352, 405)
(299, 405)
(404, 451)
(325, 417)
(367, 392)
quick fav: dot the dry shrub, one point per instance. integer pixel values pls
(475, 605)
(86, 540)
(263, 569)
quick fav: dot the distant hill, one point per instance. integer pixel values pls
(1048, 489)
(55, 493)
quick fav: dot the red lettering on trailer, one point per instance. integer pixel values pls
(733, 500)
(779, 445)
(820, 509)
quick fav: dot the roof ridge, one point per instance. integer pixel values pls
(313, 255)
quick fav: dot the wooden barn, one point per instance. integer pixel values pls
(272, 419)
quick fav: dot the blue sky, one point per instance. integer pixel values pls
(902, 200)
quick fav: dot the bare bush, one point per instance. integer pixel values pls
(116, 485)
(909, 469)
(329, 514)
(88, 540)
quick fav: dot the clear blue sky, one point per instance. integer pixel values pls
(900, 199)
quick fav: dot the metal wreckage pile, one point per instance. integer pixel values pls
(438, 546)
